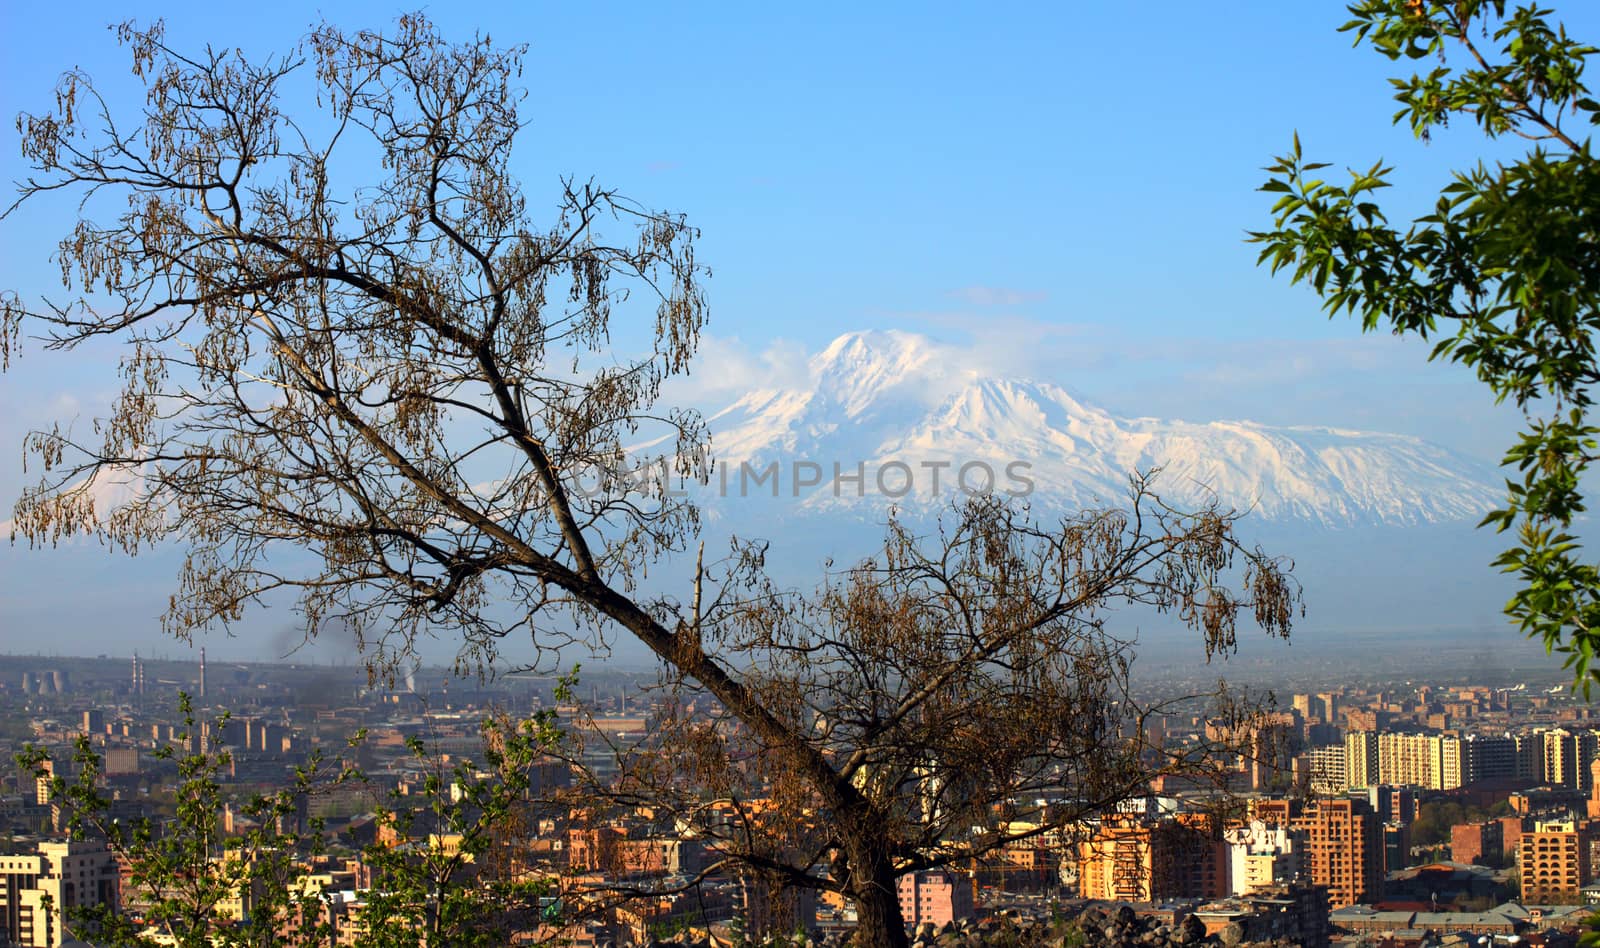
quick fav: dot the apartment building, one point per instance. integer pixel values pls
(1554, 861)
(1131, 859)
(1488, 758)
(1361, 759)
(1421, 760)
(1322, 771)
(1447, 762)
(1262, 855)
(1567, 757)
(36, 889)
(1343, 849)
(936, 897)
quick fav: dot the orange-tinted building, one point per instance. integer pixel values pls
(1593, 806)
(1554, 860)
(1344, 850)
(614, 849)
(1132, 859)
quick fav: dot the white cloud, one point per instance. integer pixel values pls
(997, 295)
(725, 368)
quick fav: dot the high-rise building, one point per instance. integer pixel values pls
(1394, 804)
(1344, 849)
(121, 761)
(1592, 808)
(1361, 759)
(1488, 758)
(1553, 860)
(1567, 756)
(1423, 760)
(37, 888)
(1267, 745)
(1261, 855)
(232, 733)
(1530, 756)
(935, 897)
(1132, 859)
(1396, 846)
(1322, 771)
(1366, 719)
(1447, 761)
(41, 783)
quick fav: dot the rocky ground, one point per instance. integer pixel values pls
(1094, 928)
(1117, 929)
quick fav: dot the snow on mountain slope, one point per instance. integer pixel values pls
(902, 405)
(107, 492)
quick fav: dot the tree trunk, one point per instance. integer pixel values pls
(879, 923)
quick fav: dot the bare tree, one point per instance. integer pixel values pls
(393, 400)
(959, 693)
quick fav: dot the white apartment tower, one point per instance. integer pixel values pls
(1261, 855)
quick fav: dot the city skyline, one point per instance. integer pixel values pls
(880, 477)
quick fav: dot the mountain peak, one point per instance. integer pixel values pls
(895, 398)
(877, 352)
(862, 370)
(876, 345)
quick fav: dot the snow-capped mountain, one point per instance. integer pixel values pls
(892, 410)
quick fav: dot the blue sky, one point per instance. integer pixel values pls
(1067, 185)
(1092, 166)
